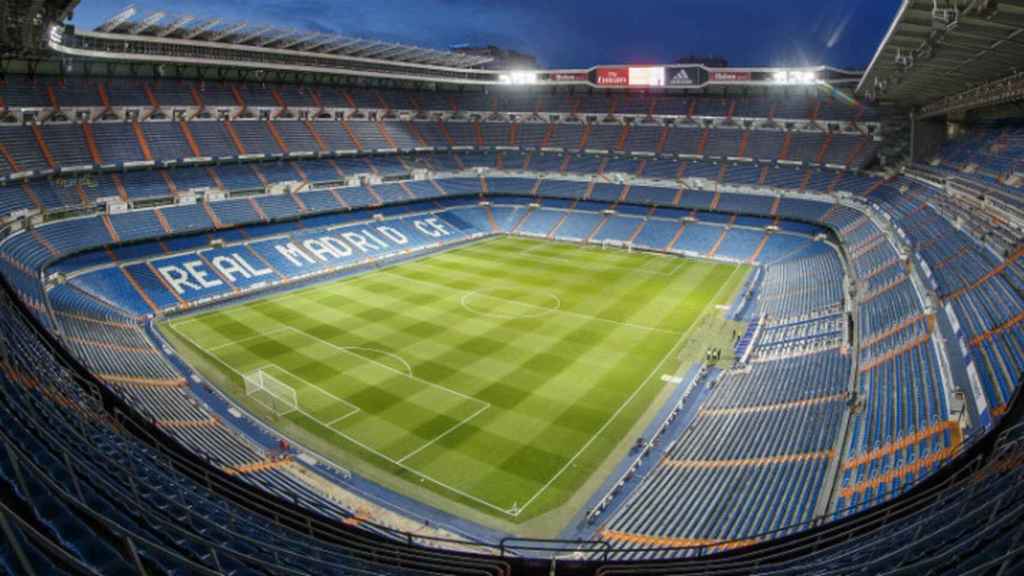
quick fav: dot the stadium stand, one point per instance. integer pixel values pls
(865, 422)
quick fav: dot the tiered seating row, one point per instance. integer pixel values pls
(77, 191)
(764, 430)
(23, 92)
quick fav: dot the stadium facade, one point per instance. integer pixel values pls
(166, 182)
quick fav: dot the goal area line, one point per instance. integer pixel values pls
(403, 461)
(452, 489)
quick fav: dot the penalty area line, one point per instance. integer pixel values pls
(657, 368)
(370, 449)
(410, 376)
(443, 434)
(247, 339)
(353, 409)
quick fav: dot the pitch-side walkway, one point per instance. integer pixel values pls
(582, 529)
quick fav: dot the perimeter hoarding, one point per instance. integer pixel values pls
(565, 77)
(731, 76)
(683, 76)
(646, 76)
(632, 76)
(611, 76)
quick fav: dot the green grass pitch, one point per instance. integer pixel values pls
(496, 377)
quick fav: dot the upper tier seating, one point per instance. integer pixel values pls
(900, 430)
(47, 443)
(855, 230)
(65, 191)
(990, 157)
(18, 91)
(762, 428)
(118, 142)
(69, 469)
(114, 141)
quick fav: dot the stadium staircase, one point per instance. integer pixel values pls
(703, 142)
(277, 137)
(154, 102)
(147, 154)
(786, 143)
(41, 142)
(873, 263)
(675, 237)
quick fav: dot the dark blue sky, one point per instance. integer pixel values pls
(579, 33)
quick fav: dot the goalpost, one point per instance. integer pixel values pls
(271, 393)
(622, 245)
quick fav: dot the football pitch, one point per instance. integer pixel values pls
(499, 376)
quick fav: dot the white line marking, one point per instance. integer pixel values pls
(445, 433)
(677, 266)
(322, 391)
(657, 258)
(558, 311)
(539, 310)
(607, 266)
(374, 451)
(531, 249)
(303, 291)
(247, 339)
(628, 400)
(412, 377)
(408, 368)
(339, 419)
(509, 512)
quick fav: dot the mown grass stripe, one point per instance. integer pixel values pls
(526, 394)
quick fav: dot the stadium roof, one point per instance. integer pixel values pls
(937, 48)
(163, 24)
(24, 23)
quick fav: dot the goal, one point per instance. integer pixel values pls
(621, 245)
(271, 393)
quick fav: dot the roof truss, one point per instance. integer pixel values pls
(186, 27)
(937, 48)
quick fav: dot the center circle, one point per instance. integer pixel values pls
(511, 303)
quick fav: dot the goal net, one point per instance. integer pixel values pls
(271, 393)
(618, 244)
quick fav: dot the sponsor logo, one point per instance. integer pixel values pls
(681, 77)
(613, 76)
(568, 77)
(730, 77)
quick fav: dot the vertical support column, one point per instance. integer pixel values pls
(703, 141)
(187, 133)
(316, 136)
(277, 137)
(586, 136)
(662, 140)
(620, 145)
(744, 141)
(820, 158)
(387, 135)
(90, 142)
(238, 100)
(141, 137)
(234, 138)
(786, 141)
(444, 132)
(352, 135)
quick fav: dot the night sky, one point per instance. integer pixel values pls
(578, 33)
